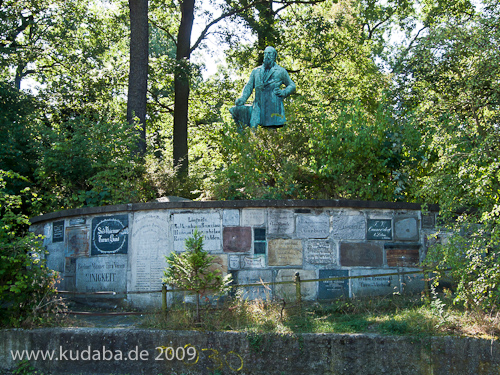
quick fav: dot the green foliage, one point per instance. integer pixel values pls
(354, 154)
(472, 253)
(27, 286)
(191, 270)
(89, 163)
(261, 164)
(19, 130)
(24, 367)
(454, 94)
(363, 155)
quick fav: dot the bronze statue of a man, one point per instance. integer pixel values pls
(271, 83)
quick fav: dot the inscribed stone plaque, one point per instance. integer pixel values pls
(309, 226)
(406, 229)
(55, 258)
(319, 252)
(77, 221)
(374, 285)
(103, 273)
(208, 224)
(285, 252)
(110, 235)
(402, 255)
(58, 231)
(379, 229)
(231, 218)
(348, 227)
(151, 242)
(361, 254)
(234, 262)
(68, 282)
(237, 239)
(255, 261)
(333, 288)
(428, 221)
(288, 291)
(255, 277)
(253, 217)
(77, 242)
(280, 222)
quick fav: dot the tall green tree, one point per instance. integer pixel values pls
(449, 80)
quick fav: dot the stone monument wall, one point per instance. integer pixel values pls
(122, 248)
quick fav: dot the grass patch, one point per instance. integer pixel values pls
(394, 315)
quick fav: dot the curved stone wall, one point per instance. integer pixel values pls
(122, 248)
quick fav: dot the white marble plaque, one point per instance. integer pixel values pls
(102, 273)
(320, 252)
(256, 261)
(253, 217)
(234, 262)
(309, 226)
(281, 222)
(348, 227)
(208, 224)
(231, 218)
(150, 245)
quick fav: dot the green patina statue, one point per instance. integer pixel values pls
(272, 84)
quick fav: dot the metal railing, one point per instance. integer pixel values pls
(296, 281)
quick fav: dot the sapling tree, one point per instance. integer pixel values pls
(191, 270)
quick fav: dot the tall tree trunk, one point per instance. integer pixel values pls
(198, 307)
(181, 87)
(266, 32)
(19, 75)
(138, 74)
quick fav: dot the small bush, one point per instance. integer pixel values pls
(191, 270)
(27, 286)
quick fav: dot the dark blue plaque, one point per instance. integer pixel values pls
(259, 244)
(110, 235)
(58, 231)
(379, 229)
(334, 288)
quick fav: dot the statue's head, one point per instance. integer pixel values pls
(269, 56)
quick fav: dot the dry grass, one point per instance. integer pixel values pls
(387, 315)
